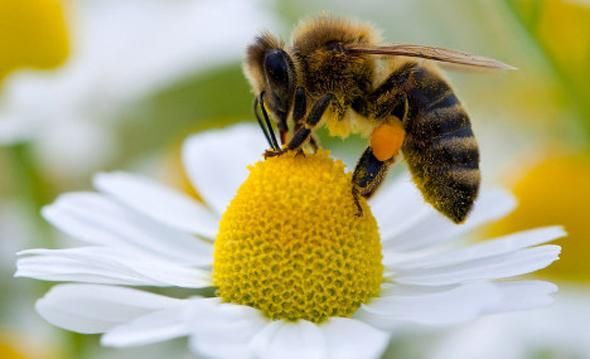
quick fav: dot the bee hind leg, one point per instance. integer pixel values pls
(368, 176)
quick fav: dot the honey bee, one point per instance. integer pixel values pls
(337, 73)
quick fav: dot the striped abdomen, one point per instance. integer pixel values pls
(440, 148)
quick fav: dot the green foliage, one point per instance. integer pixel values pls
(212, 98)
(560, 31)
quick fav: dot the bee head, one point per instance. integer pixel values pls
(270, 70)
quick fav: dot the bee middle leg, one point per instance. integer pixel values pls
(299, 112)
(314, 117)
(304, 131)
(368, 176)
(314, 142)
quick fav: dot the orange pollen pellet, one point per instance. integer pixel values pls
(387, 139)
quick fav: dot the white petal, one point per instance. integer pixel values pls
(434, 229)
(216, 161)
(352, 339)
(398, 206)
(96, 219)
(107, 266)
(154, 327)
(90, 309)
(500, 266)
(223, 330)
(430, 306)
(489, 248)
(58, 268)
(158, 202)
(521, 295)
(290, 340)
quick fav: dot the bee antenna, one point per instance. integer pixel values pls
(271, 131)
(261, 124)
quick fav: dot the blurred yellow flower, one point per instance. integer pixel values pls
(560, 29)
(11, 347)
(556, 191)
(564, 29)
(8, 351)
(33, 34)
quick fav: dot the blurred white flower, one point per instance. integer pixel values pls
(143, 234)
(558, 331)
(19, 326)
(15, 233)
(121, 51)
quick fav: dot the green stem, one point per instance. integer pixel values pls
(32, 190)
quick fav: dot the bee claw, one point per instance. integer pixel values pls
(357, 203)
(359, 210)
(273, 153)
(300, 153)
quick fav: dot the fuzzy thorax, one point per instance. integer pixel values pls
(291, 244)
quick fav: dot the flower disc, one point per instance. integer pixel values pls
(291, 244)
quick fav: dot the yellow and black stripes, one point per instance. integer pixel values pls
(440, 147)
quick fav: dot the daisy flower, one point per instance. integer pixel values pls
(296, 274)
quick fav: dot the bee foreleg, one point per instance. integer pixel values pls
(368, 175)
(299, 107)
(314, 117)
(299, 112)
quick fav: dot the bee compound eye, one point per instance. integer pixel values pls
(276, 67)
(335, 46)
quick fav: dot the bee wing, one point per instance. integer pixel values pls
(452, 57)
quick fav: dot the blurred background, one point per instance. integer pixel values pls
(98, 85)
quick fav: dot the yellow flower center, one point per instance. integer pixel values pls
(290, 242)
